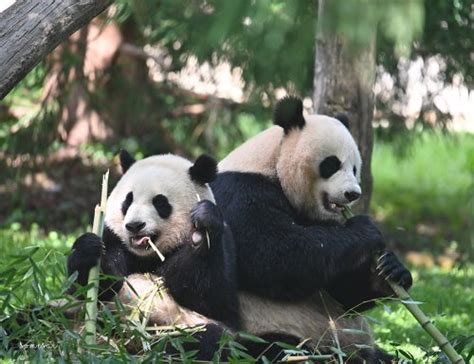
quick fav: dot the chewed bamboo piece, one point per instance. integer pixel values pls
(419, 315)
(157, 251)
(93, 278)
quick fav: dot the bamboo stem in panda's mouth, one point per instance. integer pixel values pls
(93, 278)
(155, 248)
(418, 314)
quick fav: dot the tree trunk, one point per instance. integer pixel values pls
(29, 30)
(343, 82)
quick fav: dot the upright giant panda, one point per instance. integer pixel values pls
(166, 200)
(301, 267)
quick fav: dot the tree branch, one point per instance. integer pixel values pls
(29, 30)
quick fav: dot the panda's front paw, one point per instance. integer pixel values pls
(86, 252)
(206, 218)
(391, 268)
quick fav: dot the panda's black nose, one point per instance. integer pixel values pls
(135, 226)
(352, 195)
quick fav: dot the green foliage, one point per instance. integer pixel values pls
(447, 31)
(32, 132)
(32, 275)
(272, 41)
(33, 278)
(397, 22)
(219, 139)
(429, 182)
(402, 23)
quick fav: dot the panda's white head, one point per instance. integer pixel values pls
(315, 158)
(319, 162)
(154, 198)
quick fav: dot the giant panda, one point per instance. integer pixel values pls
(301, 267)
(166, 200)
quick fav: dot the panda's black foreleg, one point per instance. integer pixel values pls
(201, 275)
(86, 252)
(219, 263)
(360, 287)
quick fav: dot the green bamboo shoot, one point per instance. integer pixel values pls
(93, 279)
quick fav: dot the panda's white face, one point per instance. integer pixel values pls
(319, 168)
(152, 202)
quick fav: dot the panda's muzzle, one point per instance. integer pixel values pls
(143, 241)
(331, 206)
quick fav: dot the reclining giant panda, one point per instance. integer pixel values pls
(164, 203)
(301, 267)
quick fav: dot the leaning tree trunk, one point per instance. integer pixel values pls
(29, 30)
(343, 81)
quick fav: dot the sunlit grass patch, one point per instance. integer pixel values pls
(425, 190)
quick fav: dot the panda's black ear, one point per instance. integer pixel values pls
(126, 160)
(289, 113)
(343, 119)
(204, 170)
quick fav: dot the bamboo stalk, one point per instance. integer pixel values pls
(306, 358)
(419, 315)
(93, 278)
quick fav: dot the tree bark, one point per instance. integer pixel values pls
(343, 82)
(30, 29)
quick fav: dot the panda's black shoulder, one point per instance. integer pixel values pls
(248, 189)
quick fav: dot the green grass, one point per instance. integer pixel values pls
(423, 190)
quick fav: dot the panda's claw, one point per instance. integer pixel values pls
(392, 269)
(382, 257)
(382, 272)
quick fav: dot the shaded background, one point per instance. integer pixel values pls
(188, 77)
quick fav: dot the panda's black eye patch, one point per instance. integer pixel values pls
(354, 170)
(126, 204)
(162, 206)
(329, 166)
